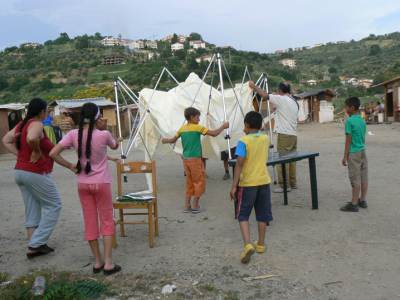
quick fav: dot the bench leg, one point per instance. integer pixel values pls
(313, 182)
(155, 219)
(285, 196)
(151, 224)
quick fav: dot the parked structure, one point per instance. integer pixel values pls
(392, 98)
(10, 115)
(316, 106)
(73, 108)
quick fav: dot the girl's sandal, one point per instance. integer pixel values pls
(98, 270)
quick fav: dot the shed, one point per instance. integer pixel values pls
(73, 107)
(316, 105)
(392, 98)
(10, 115)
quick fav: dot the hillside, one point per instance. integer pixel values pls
(73, 67)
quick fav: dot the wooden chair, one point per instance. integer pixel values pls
(150, 206)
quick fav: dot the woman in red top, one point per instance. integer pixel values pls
(32, 174)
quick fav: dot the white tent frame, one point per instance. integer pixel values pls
(120, 87)
(119, 84)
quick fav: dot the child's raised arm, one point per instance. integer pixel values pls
(216, 132)
(170, 140)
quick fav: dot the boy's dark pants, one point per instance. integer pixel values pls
(258, 197)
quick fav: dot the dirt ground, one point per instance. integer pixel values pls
(317, 254)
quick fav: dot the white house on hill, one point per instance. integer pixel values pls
(177, 46)
(197, 44)
(288, 62)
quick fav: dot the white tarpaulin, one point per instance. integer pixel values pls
(167, 108)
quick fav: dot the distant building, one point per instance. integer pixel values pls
(392, 98)
(318, 45)
(288, 62)
(10, 115)
(352, 81)
(151, 44)
(111, 41)
(316, 106)
(177, 46)
(113, 60)
(367, 83)
(280, 51)
(30, 45)
(298, 49)
(341, 42)
(203, 58)
(182, 38)
(197, 44)
(311, 82)
(136, 45)
(168, 38)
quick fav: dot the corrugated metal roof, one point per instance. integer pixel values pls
(386, 82)
(13, 106)
(75, 103)
(314, 93)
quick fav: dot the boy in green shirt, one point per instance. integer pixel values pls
(355, 157)
(191, 133)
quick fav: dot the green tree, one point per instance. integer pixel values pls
(180, 54)
(82, 42)
(374, 50)
(45, 84)
(10, 49)
(18, 83)
(194, 36)
(3, 83)
(98, 36)
(332, 70)
(174, 38)
(62, 39)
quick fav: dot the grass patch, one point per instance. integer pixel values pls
(60, 285)
(4, 277)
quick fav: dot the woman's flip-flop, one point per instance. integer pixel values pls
(114, 270)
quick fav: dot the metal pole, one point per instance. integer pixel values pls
(271, 147)
(118, 119)
(177, 82)
(137, 102)
(212, 62)
(146, 112)
(269, 111)
(227, 137)
(124, 84)
(233, 88)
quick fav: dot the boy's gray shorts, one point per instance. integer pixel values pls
(358, 168)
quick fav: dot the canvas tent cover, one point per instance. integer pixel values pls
(167, 108)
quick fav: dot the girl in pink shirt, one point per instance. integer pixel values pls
(94, 183)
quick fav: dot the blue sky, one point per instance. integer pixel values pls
(256, 25)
